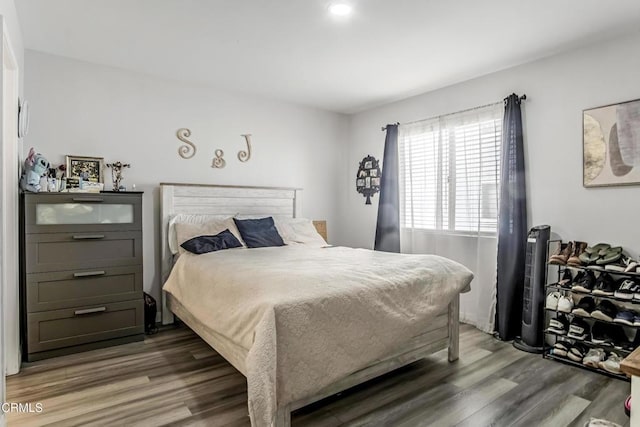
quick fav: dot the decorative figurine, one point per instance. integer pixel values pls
(35, 167)
(116, 174)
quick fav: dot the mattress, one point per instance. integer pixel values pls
(294, 319)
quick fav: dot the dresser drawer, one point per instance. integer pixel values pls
(64, 289)
(78, 212)
(63, 328)
(74, 251)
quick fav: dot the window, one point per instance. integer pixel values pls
(449, 172)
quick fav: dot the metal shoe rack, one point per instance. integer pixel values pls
(550, 313)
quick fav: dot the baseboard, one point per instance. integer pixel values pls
(13, 367)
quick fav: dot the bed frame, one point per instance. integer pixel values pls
(441, 333)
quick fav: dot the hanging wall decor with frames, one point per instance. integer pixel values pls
(368, 178)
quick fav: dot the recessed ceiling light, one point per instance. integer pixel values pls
(340, 9)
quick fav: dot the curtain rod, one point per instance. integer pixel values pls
(521, 98)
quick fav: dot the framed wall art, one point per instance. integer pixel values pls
(85, 168)
(611, 145)
(368, 178)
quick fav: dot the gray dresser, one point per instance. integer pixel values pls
(81, 272)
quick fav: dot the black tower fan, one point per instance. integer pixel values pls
(533, 290)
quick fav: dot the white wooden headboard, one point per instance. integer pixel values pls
(219, 200)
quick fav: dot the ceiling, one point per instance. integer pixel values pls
(294, 51)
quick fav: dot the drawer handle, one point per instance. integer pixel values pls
(88, 236)
(90, 310)
(88, 199)
(89, 273)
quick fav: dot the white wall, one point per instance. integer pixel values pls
(558, 89)
(85, 109)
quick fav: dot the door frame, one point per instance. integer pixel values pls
(10, 156)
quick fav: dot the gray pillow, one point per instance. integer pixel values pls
(259, 233)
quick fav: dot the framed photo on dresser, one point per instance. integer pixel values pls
(86, 168)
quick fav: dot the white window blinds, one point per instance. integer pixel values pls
(449, 171)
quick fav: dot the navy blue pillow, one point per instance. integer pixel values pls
(259, 233)
(205, 244)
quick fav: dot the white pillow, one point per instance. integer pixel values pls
(298, 230)
(174, 246)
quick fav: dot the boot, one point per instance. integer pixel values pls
(561, 256)
(578, 249)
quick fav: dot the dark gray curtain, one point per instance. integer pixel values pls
(512, 223)
(388, 227)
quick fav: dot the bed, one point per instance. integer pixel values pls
(303, 323)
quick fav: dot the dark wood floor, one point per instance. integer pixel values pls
(174, 378)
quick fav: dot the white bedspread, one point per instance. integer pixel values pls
(310, 316)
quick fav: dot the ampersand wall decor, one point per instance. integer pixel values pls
(218, 161)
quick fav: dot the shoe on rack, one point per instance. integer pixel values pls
(585, 306)
(584, 283)
(626, 289)
(619, 338)
(635, 288)
(577, 352)
(605, 310)
(592, 254)
(632, 345)
(604, 286)
(552, 300)
(606, 251)
(595, 249)
(593, 357)
(566, 279)
(621, 265)
(559, 325)
(587, 258)
(579, 277)
(610, 256)
(629, 345)
(632, 266)
(578, 249)
(636, 321)
(597, 422)
(626, 317)
(565, 304)
(612, 364)
(579, 329)
(561, 348)
(562, 254)
(601, 333)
